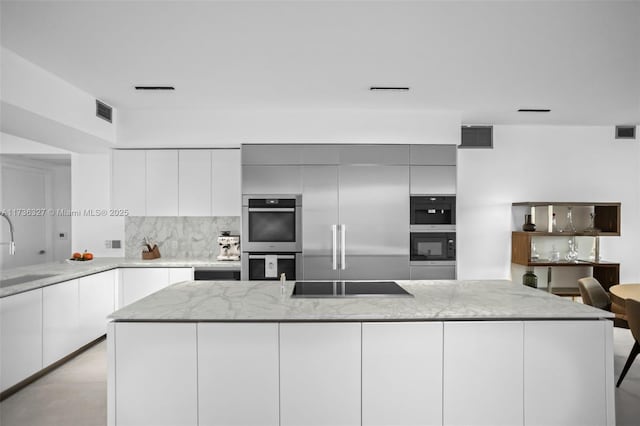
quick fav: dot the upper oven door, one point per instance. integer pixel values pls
(433, 210)
(271, 223)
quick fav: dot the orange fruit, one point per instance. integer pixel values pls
(76, 256)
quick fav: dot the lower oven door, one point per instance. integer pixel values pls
(269, 266)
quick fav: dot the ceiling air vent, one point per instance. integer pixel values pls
(477, 137)
(625, 132)
(155, 88)
(389, 88)
(104, 111)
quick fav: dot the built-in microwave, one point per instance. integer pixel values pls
(272, 223)
(432, 246)
(433, 212)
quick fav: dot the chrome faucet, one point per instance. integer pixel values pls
(11, 243)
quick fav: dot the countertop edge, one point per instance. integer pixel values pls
(98, 266)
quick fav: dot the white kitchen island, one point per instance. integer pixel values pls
(457, 353)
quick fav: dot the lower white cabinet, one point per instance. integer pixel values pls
(402, 373)
(568, 373)
(136, 283)
(320, 374)
(238, 379)
(483, 373)
(60, 321)
(156, 374)
(96, 302)
(177, 275)
(21, 334)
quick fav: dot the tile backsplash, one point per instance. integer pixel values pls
(178, 236)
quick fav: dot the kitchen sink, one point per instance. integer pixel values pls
(316, 289)
(23, 279)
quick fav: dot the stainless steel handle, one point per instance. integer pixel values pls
(334, 248)
(278, 256)
(268, 209)
(343, 247)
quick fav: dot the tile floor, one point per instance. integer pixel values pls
(76, 393)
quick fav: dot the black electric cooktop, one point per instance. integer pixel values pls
(348, 289)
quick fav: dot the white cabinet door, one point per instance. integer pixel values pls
(564, 373)
(483, 371)
(320, 374)
(137, 283)
(226, 182)
(60, 321)
(96, 303)
(129, 177)
(162, 182)
(402, 373)
(194, 182)
(156, 374)
(432, 180)
(238, 374)
(21, 334)
(177, 275)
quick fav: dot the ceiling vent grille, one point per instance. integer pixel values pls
(625, 132)
(477, 137)
(104, 111)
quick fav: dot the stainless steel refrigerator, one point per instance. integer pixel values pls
(355, 221)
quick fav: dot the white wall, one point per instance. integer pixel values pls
(91, 189)
(217, 128)
(41, 106)
(544, 163)
(11, 144)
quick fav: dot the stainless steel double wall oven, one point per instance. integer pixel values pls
(272, 236)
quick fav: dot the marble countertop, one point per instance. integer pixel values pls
(432, 301)
(63, 271)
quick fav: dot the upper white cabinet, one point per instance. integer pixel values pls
(194, 182)
(162, 182)
(21, 332)
(169, 182)
(129, 181)
(225, 182)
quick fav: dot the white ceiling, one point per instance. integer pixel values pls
(485, 59)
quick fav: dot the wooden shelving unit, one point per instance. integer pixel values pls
(606, 222)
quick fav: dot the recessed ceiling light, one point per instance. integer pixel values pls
(534, 110)
(389, 88)
(155, 88)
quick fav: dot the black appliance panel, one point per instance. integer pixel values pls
(432, 246)
(432, 210)
(347, 289)
(272, 226)
(286, 265)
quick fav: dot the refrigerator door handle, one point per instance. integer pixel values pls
(334, 248)
(343, 247)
